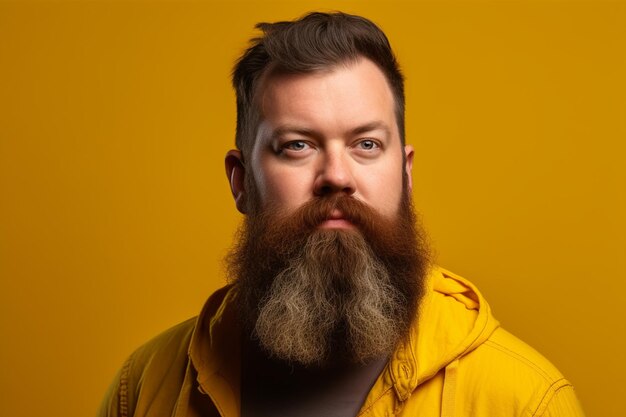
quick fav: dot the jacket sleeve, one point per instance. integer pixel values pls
(562, 404)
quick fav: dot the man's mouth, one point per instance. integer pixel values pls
(336, 220)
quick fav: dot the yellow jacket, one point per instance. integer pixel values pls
(457, 361)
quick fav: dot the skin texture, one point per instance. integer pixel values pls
(332, 131)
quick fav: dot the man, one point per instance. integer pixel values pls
(334, 308)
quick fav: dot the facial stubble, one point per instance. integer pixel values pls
(315, 296)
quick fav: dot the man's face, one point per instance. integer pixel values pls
(329, 132)
(327, 157)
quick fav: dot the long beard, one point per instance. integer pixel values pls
(313, 296)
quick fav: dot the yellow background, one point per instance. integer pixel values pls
(115, 211)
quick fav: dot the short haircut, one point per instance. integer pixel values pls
(315, 42)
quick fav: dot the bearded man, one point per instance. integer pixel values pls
(334, 308)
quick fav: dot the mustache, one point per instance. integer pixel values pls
(306, 219)
(385, 235)
(313, 213)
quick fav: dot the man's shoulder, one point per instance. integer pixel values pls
(174, 342)
(153, 375)
(508, 350)
(513, 372)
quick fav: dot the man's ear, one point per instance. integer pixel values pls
(408, 165)
(235, 171)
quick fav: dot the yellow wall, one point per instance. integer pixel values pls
(115, 212)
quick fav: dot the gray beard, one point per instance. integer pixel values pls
(332, 299)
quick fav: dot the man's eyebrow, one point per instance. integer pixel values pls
(303, 131)
(291, 129)
(369, 127)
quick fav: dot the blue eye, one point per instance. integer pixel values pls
(295, 149)
(296, 145)
(368, 144)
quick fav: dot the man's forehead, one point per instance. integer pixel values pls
(275, 78)
(355, 96)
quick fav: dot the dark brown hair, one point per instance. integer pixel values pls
(312, 43)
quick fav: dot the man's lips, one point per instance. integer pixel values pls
(336, 220)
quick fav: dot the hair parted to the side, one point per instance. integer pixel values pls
(312, 43)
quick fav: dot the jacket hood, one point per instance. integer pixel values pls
(453, 320)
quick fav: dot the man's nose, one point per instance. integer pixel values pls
(335, 175)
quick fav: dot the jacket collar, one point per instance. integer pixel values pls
(215, 352)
